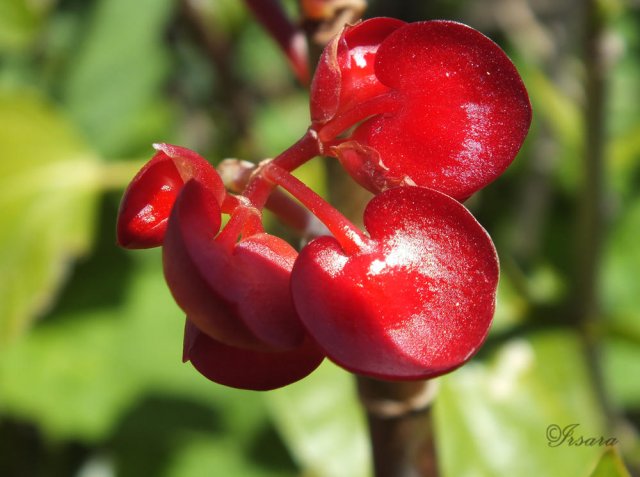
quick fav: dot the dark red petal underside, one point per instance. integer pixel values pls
(246, 369)
(418, 304)
(264, 299)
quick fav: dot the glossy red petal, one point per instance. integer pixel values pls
(147, 202)
(189, 252)
(345, 73)
(246, 369)
(418, 304)
(464, 110)
(264, 301)
(239, 296)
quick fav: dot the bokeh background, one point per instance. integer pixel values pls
(91, 383)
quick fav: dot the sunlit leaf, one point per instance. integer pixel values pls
(19, 22)
(498, 414)
(322, 423)
(115, 83)
(610, 465)
(77, 374)
(48, 183)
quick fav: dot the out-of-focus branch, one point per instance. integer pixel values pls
(323, 19)
(592, 198)
(219, 52)
(400, 426)
(291, 39)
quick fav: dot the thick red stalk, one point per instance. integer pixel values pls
(384, 103)
(348, 235)
(258, 190)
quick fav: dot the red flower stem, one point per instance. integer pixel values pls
(348, 235)
(258, 190)
(236, 174)
(291, 39)
(384, 103)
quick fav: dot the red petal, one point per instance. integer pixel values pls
(188, 253)
(245, 369)
(264, 299)
(345, 73)
(147, 202)
(239, 296)
(464, 114)
(416, 305)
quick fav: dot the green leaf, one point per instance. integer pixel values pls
(281, 123)
(610, 465)
(111, 374)
(48, 184)
(621, 263)
(19, 22)
(497, 413)
(621, 360)
(322, 423)
(81, 371)
(114, 86)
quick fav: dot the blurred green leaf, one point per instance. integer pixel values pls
(562, 114)
(114, 85)
(623, 153)
(622, 360)
(211, 456)
(610, 465)
(19, 22)
(265, 68)
(48, 182)
(113, 375)
(322, 423)
(621, 288)
(497, 413)
(279, 124)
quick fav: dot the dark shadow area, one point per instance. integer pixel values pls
(100, 280)
(269, 452)
(25, 453)
(146, 436)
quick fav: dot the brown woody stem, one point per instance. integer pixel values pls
(400, 426)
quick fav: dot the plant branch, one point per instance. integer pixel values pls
(591, 225)
(400, 426)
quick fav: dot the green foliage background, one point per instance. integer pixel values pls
(91, 383)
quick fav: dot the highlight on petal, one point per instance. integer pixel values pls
(416, 304)
(147, 201)
(464, 110)
(345, 73)
(436, 102)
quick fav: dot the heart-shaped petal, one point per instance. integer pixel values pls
(239, 296)
(248, 369)
(446, 108)
(147, 202)
(416, 304)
